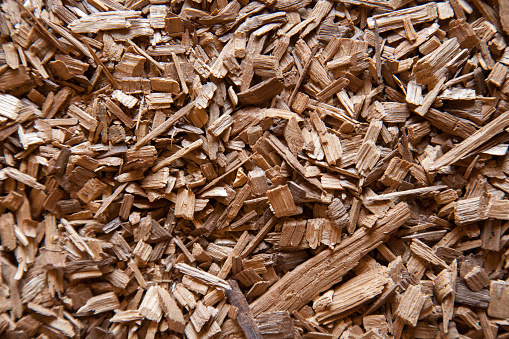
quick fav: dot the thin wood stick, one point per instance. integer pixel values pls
(390, 196)
(301, 76)
(165, 125)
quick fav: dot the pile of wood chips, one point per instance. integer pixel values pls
(264, 169)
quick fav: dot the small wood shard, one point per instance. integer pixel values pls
(499, 293)
(101, 303)
(184, 206)
(411, 305)
(172, 312)
(395, 19)
(364, 287)
(281, 201)
(23, 178)
(244, 317)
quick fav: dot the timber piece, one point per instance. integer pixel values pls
(92, 54)
(430, 98)
(236, 252)
(425, 252)
(201, 316)
(101, 303)
(279, 324)
(219, 178)
(165, 85)
(450, 123)
(180, 153)
(503, 13)
(119, 113)
(464, 32)
(321, 231)
(395, 172)
(127, 204)
(235, 206)
(361, 288)
(407, 46)
(137, 274)
(498, 74)
(282, 150)
(395, 19)
(258, 238)
(13, 201)
(176, 62)
(338, 213)
(150, 306)
(103, 21)
(488, 328)
(165, 125)
(499, 294)
(409, 28)
(85, 119)
(411, 305)
(159, 100)
(432, 68)
(468, 316)
(130, 65)
(91, 190)
(303, 279)
(127, 100)
(390, 196)
(185, 204)
(293, 136)
(281, 202)
(106, 203)
(367, 157)
(10, 106)
(244, 317)
(7, 231)
(184, 249)
(445, 291)
(157, 179)
(334, 87)
(205, 277)
(471, 143)
(239, 44)
(23, 178)
(498, 209)
(261, 92)
(220, 125)
(330, 143)
(477, 278)
(490, 235)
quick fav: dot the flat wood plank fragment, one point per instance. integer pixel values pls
(411, 305)
(23, 178)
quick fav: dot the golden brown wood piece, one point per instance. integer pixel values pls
(165, 125)
(314, 276)
(471, 143)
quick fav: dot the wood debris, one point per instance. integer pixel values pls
(254, 169)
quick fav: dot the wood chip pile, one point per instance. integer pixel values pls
(258, 169)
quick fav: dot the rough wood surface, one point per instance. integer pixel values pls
(254, 169)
